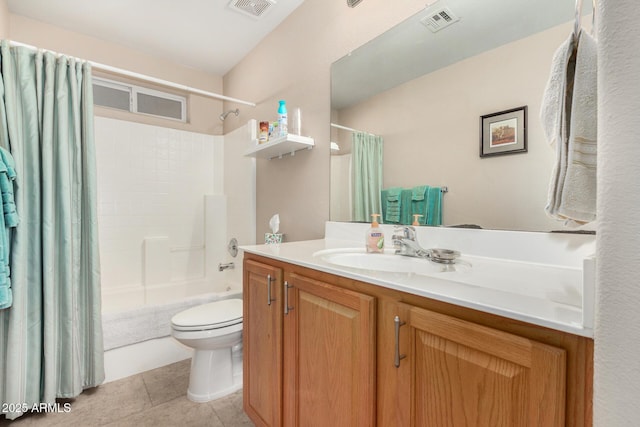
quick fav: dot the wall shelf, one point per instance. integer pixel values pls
(281, 146)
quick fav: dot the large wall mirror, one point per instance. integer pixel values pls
(424, 94)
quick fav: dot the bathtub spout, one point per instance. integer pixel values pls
(229, 265)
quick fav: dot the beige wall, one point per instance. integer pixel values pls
(293, 63)
(4, 19)
(617, 365)
(203, 112)
(431, 130)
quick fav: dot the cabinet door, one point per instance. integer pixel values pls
(329, 355)
(262, 342)
(458, 373)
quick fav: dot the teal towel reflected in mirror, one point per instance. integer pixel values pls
(400, 205)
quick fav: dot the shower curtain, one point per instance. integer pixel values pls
(366, 157)
(51, 338)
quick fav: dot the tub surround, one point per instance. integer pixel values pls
(138, 340)
(545, 279)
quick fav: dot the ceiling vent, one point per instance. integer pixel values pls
(439, 18)
(353, 3)
(253, 8)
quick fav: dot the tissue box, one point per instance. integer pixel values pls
(271, 238)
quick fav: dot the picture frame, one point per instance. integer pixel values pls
(504, 132)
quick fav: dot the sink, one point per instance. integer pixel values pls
(387, 261)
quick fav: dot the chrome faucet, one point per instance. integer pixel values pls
(229, 265)
(406, 243)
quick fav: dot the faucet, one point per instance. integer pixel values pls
(229, 265)
(406, 243)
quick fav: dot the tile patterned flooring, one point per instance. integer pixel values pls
(155, 398)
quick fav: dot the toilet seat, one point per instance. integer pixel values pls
(214, 315)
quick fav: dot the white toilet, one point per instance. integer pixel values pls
(214, 331)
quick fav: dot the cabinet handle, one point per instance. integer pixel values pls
(287, 309)
(398, 356)
(269, 280)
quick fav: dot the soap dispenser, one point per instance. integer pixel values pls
(375, 237)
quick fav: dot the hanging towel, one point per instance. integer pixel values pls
(6, 187)
(8, 219)
(569, 119)
(392, 205)
(419, 203)
(405, 206)
(578, 201)
(553, 117)
(434, 206)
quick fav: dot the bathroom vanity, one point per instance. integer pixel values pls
(329, 344)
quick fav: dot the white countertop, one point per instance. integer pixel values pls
(543, 294)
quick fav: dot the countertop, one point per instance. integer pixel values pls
(541, 294)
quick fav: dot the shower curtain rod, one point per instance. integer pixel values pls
(333, 125)
(147, 78)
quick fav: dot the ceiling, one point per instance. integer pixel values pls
(203, 34)
(410, 50)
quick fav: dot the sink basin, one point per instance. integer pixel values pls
(387, 261)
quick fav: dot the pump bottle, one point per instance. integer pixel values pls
(374, 241)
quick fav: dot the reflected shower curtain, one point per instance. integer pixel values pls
(367, 175)
(51, 338)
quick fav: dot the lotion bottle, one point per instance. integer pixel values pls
(375, 237)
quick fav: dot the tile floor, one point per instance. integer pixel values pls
(155, 398)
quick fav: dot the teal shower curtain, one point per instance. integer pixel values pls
(51, 338)
(366, 157)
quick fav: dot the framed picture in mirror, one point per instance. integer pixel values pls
(504, 132)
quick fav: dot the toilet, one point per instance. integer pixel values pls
(214, 331)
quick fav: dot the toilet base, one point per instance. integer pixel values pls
(213, 375)
(202, 398)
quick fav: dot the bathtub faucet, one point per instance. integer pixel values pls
(229, 265)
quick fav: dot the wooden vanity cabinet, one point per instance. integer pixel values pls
(449, 372)
(333, 359)
(262, 343)
(309, 356)
(329, 355)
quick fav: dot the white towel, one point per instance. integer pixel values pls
(578, 201)
(552, 115)
(569, 115)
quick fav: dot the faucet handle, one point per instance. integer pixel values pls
(408, 231)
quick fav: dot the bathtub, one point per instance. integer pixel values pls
(137, 329)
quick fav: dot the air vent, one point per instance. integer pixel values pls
(253, 8)
(439, 18)
(353, 3)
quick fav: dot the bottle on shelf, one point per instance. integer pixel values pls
(282, 118)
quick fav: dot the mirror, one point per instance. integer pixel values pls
(425, 92)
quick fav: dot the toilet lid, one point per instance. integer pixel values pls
(217, 314)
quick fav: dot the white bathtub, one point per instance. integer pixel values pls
(137, 328)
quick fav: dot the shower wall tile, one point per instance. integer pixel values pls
(152, 182)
